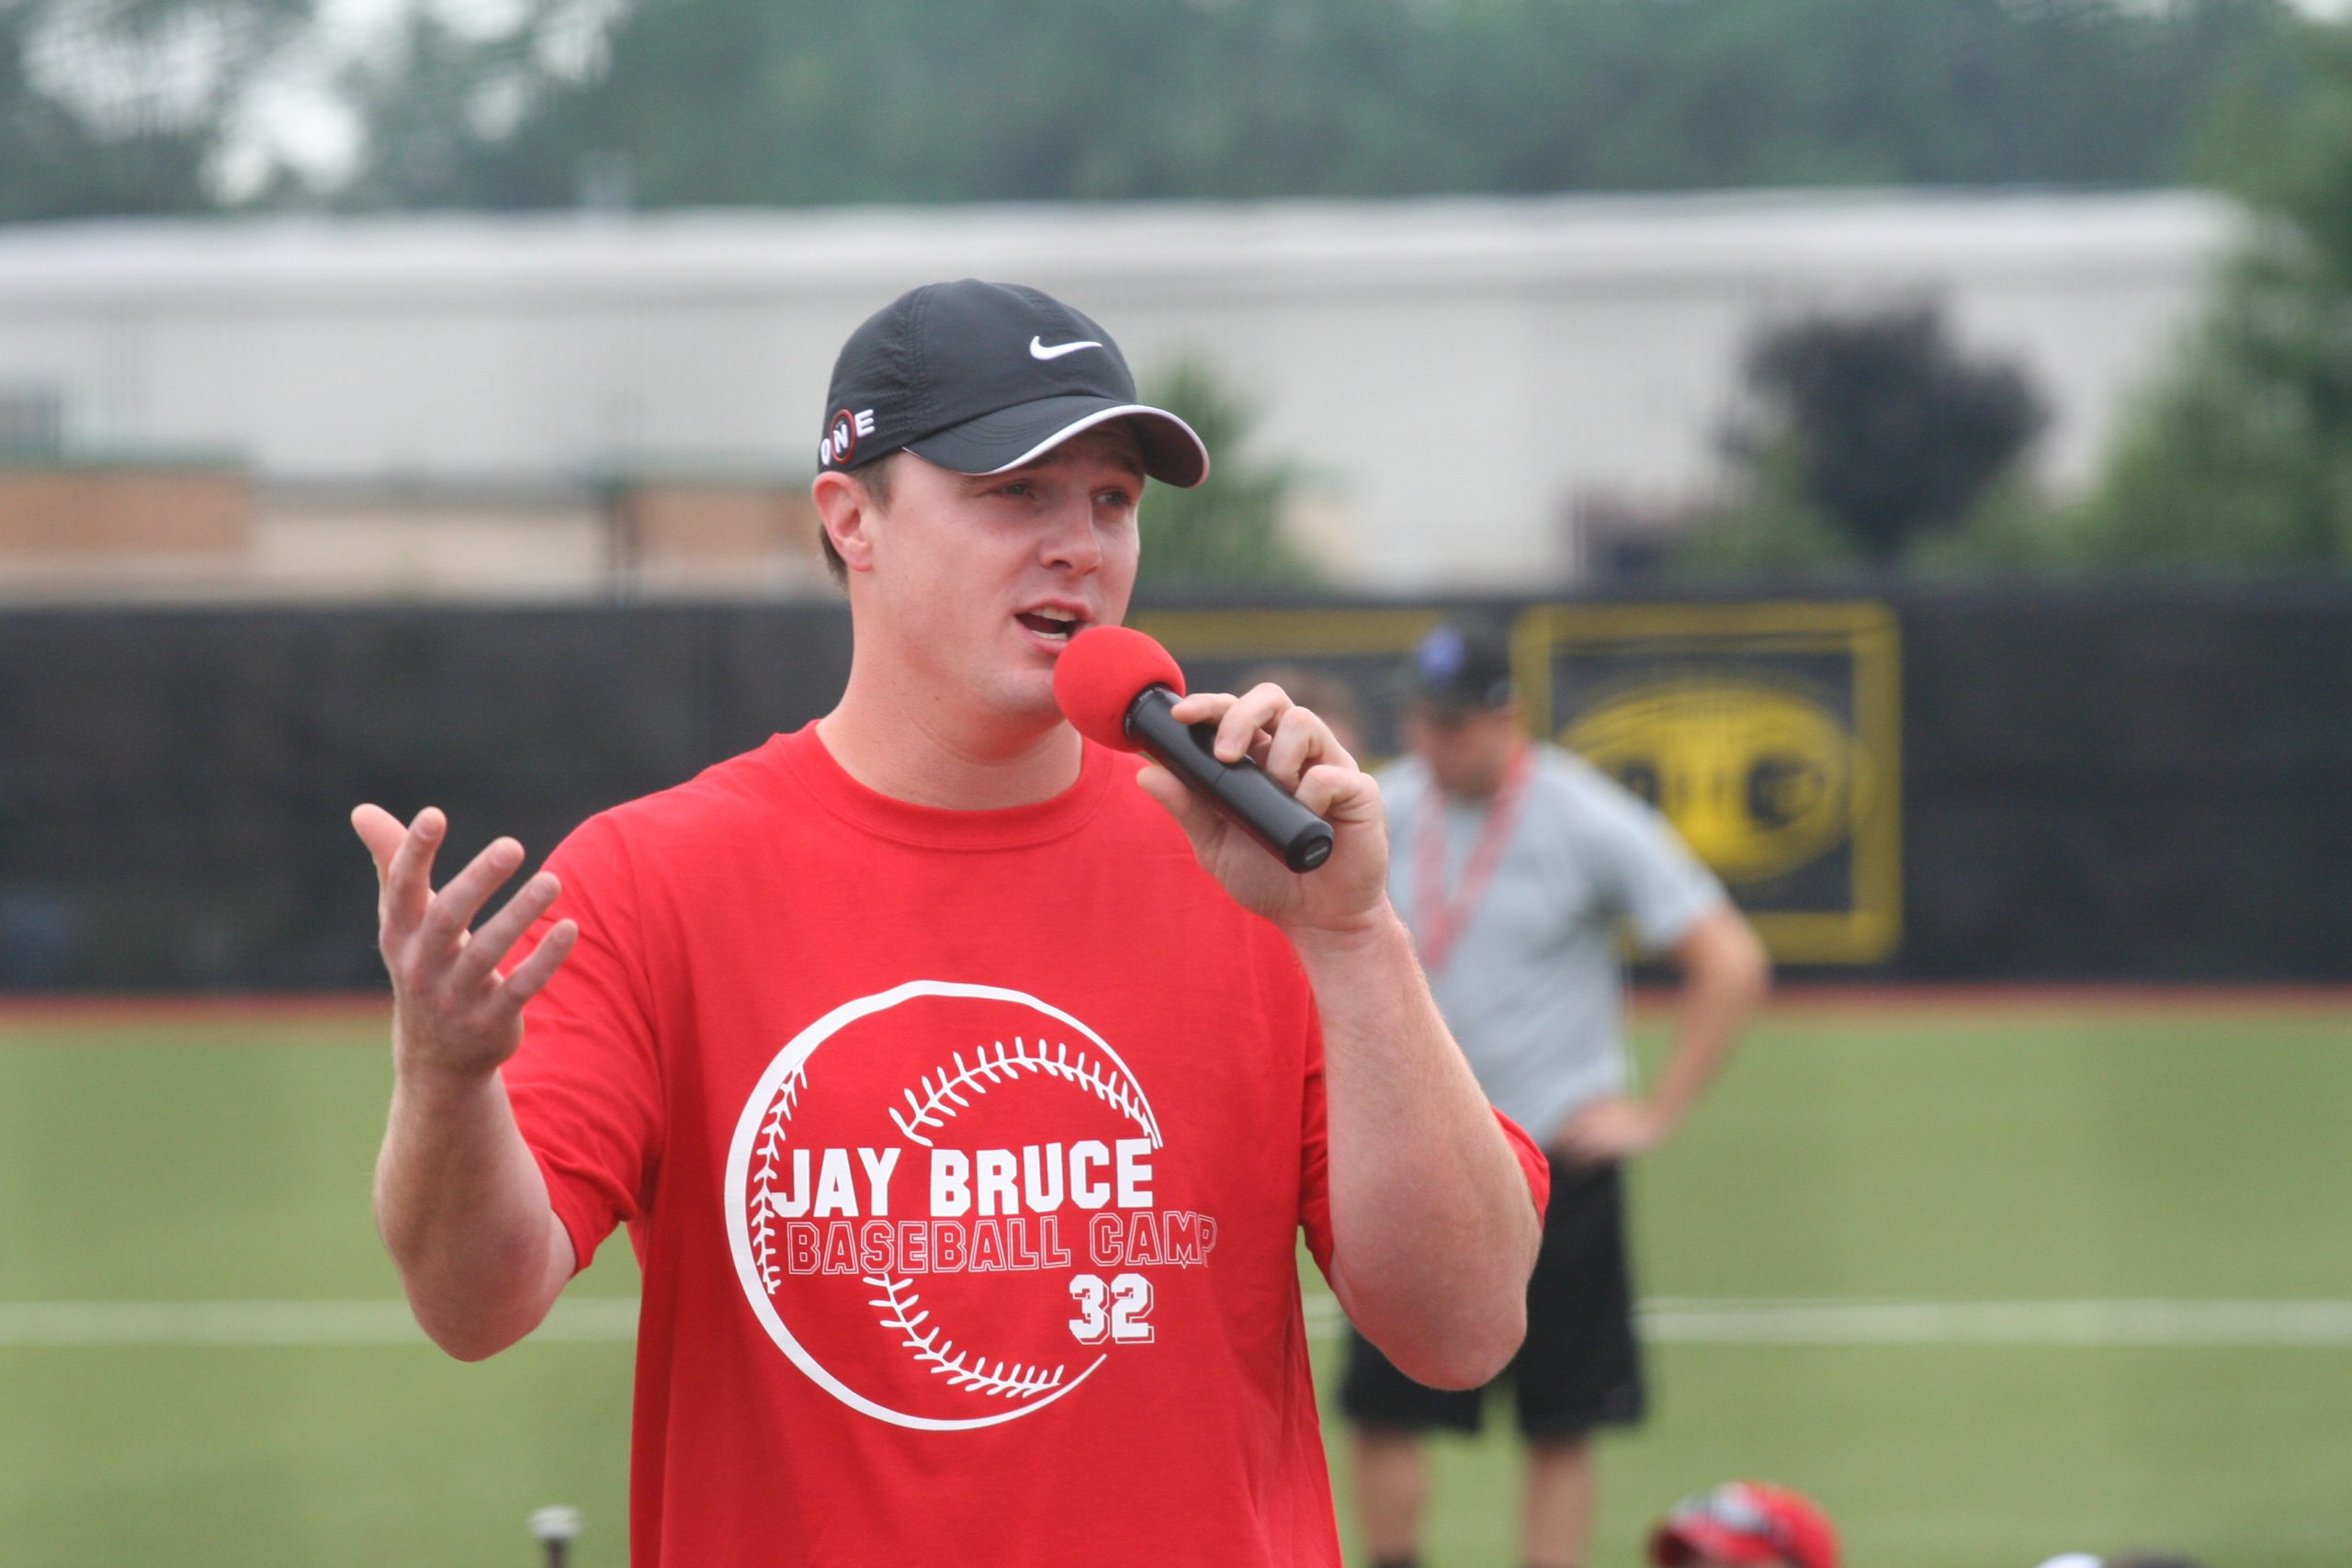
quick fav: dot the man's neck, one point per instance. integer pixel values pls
(913, 747)
(1483, 792)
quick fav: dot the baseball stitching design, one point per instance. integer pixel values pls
(771, 1148)
(942, 1094)
(1019, 1382)
(945, 1095)
(1006, 1390)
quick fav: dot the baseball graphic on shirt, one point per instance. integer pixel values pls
(944, 1203)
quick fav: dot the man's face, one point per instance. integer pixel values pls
(1467, 753)
(979, 581)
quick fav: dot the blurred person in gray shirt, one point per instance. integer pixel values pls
(1517, 867)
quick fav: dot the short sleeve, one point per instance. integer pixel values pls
(1315, 1149)
(1533, 1164)
(587, 1084)
(1647, 873)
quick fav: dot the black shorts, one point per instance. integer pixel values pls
(1580, 1367)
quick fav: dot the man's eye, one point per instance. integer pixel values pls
(1020, 488)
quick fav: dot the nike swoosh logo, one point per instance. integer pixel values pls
(1037, 350)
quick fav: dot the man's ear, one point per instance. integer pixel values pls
(845, 511)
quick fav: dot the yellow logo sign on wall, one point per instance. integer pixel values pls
(1770, 732)
(1758, 779)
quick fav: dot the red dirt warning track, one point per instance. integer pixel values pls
(1795, 1000)
(129, 1011)
(1797, 997)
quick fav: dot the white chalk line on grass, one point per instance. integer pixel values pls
(2321, 1323)
(589, 1320)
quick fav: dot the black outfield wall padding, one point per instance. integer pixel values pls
(175, 787)
(2149, 786)
(2122, 783)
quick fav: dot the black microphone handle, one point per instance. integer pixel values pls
(1293, 834)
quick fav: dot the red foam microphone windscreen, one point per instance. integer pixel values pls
(1100, 675)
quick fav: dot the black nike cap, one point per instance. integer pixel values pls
(979, 378)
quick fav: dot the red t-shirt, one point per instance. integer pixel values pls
(964, 1155)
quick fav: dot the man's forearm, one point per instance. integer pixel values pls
(1726, 974)
(1433, 1229)
(1707, 1029)
(464, 1212)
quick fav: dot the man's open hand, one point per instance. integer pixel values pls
(456, 1012)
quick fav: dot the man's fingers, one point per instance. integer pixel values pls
(455, 906)
(1201, 707)
(1603, 1130)
(523, 982)
(408, 879)
(1244, 724)
(503, 930)
(1332, 751)
(1257, 709)
(381, 832)
(1577, 1137)
(1300, 741)
(1196, 816)
(1339, 793)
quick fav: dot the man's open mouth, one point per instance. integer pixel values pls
(1062, 624)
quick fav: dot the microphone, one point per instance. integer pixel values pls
(1119, 688)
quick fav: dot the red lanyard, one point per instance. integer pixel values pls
(1441, 919)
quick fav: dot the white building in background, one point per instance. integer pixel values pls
(1461, 378)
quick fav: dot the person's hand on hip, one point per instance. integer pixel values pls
(1618, 1127)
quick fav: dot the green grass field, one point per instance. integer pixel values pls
(1854, 1156)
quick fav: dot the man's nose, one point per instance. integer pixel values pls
(1073, 542)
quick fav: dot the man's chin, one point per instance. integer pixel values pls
(1026, 696)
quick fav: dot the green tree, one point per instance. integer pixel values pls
(112, 107)
(1877, 425)
(767, 102)
(426, 106)
(1230, 528)
(2244, 453)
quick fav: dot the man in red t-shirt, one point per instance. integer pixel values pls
(964, 1086)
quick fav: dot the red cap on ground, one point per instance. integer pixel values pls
(1746, 1522)
(1100, 675)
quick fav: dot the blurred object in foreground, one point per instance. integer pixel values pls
(1746, 1524)
(556, 1529)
